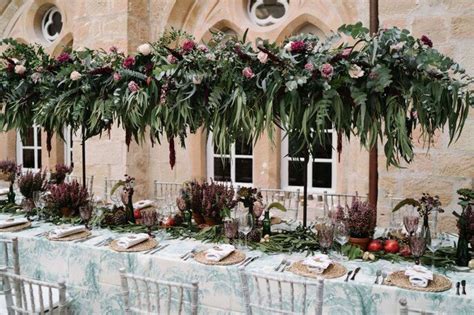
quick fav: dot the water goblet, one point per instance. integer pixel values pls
(86, 213)
(149, 219)
(326, 236)
(411, 223)
(435, 244)
(245, 225)
(417, 246)
(231, 228)
(38, 199)
(341, 235)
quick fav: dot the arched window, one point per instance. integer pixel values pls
(51, 24)
(267, 12)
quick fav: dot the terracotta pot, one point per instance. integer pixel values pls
(67, 212)
(198, 218)
(211, 221)
(361, 242)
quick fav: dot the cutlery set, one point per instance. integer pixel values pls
(105, 242)
(248, 260)
(155, 250)
(458, 285)
(189, 254)
(379, 273)
(353, 273)
(86, 239)
(283, 266)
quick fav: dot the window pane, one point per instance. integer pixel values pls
(38, 137)
(324, 151)
(243, 170)
(293, 146)
(223, 152)
(39, 159)
(322, 175)
(28, 158)
(28, 141)
(296, 173)
(222, 170)
(242, 147)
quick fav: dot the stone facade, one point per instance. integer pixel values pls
(128, 23)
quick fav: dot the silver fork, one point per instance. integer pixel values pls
(287, 264)
(282, 262)
(384, 275)
(188, 254)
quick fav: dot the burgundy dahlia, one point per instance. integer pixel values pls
(298, 46)
(129, 62)
(63, 57)
(426, 41)
(188, 45)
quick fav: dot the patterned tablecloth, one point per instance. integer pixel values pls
(93, 282)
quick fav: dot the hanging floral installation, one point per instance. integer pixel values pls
(378, 87)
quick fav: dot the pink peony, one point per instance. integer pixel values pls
(327, 71)
(356, 72)
(117, 76)
(63, 57)
(203, 48)
(129, 62)
(309, 67)
(171, 59)
(188, 45)
(298, 46)
(248, 73)
(133, 87)
(426, 41)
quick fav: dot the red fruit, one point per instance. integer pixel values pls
(405, 251)
(375, 246)
(137, 214)
(391, 246)
(169, 222)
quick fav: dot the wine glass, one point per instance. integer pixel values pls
(149, 219)
(231, 227)
(341, 232)
(245, 225)
(417, 246)
(38, 198)
(86, 213)
(436, 242)
(326, 236)
(410, 222)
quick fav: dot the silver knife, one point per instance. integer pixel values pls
(244, 261)
(251, 260)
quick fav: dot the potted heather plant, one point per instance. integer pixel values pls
(465, 226)
(8, 172)
(60, 173)
(217, 201)
(361, 222)
(28, 184)
(65, 199)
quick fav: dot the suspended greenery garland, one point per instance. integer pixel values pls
(379, 87)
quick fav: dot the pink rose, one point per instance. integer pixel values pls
(188, 45)
(117, 76)
(248, 73)
(309, 67)
(133, 87)
(298, 46)
(346, 53)
(129, 62)
(262, 57)
(63, 57)
(356, 72)
(202, 48)
(426, 41)
(327, 71)
(171, 59)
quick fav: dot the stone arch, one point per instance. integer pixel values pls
(301, 22)
(66, 40)
(224, 26)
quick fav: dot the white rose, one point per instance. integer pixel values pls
(287, 47)
(15, 61)
(356, 72)
(75, 76)
(262, 57)
(144, 49)
(397, 47)
(20, 69)
(36, 77)
(197, 79)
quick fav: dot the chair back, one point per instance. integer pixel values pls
(266, 286)
(405, 310)
(28, 296)
(89, 181)
(163, 189)
(108, 185)
(144, 295)
(334, 200)
(290, 199)
(10, 255)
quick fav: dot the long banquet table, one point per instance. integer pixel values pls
(93, 282)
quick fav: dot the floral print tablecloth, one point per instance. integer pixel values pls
(93, 282)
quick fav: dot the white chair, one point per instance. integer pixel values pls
(10, 258)
(263, 302)
(164, 189)
(89, 181)
(333, 200)
(405, 310)
(152, 296)
(28, 296)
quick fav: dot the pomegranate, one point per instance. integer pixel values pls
(391, 246)
(375, 246)
(405, 251)
(137, 214)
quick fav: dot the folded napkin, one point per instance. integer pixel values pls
(12, 222)
(132, 240)
(142, 204)
(419, 276)
(219, 252)
(318, 263)
(66, 231)
(4, 191)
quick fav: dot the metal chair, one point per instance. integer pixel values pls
(263, 302)
(163, 189)
(89, 181)
(152, 296)
(27, 296)
(332, 200)
(108, 185)
(11, 257)
(405, 310)
(289, 199)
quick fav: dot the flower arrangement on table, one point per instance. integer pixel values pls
(465, 224)
(59, 174)
(251, 199)
(29, 183)
(360, 221)
(65, 199)
(8, 172)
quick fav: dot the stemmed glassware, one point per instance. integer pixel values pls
(246, 224)
(38, 199)
(342, 234)
(417, 246)
(435, 244)
(411, 221)
(149, 219)
(86, 213)
(231, 229)
(326, 236)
